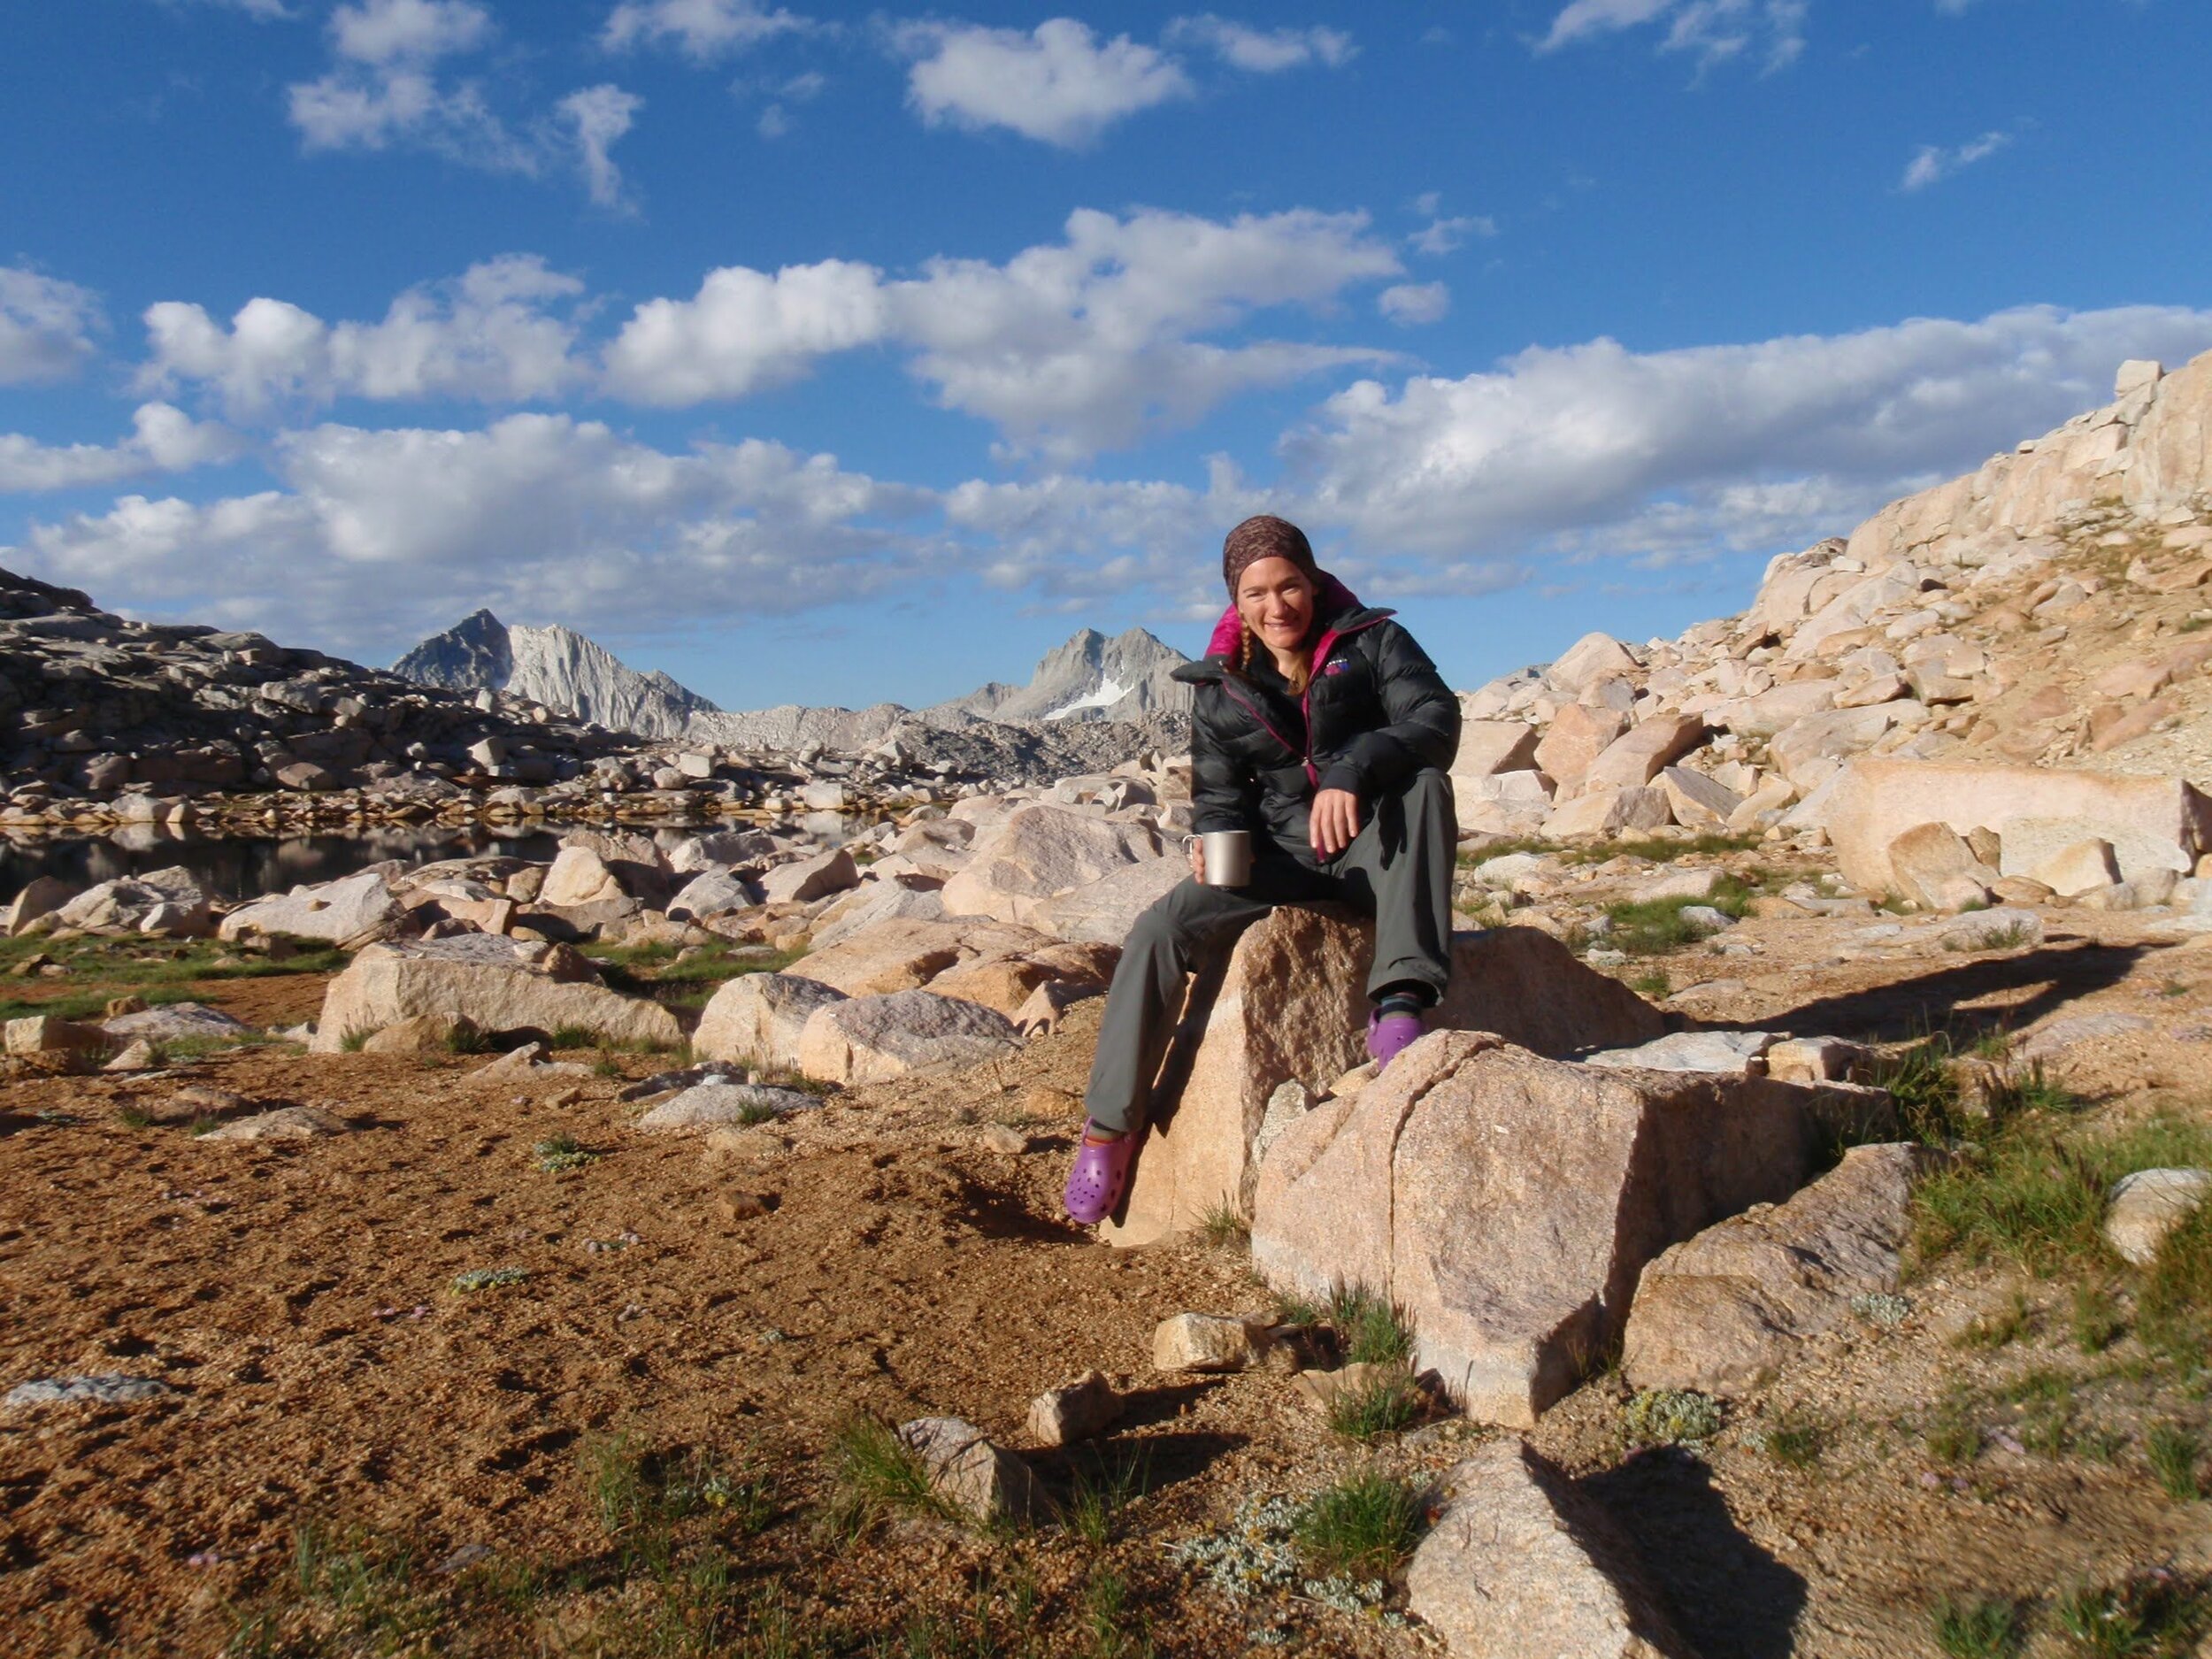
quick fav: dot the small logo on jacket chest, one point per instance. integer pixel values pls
(1335, 665)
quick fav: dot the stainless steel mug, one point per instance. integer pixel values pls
(1225, 855)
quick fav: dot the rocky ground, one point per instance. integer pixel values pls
(655, 1438)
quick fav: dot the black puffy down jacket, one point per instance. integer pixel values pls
(1377, 712)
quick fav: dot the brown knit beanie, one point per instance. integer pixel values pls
(1265, 537)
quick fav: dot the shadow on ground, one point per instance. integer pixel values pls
(1729, 1597)
(2056, 975)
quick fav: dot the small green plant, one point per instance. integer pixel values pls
(364, 1583)
(1370, 1331)
(1382, 1404)
(1364, 1525)
(1998, 1326)
(1796, 1440)
(1955, 1430)
(2096, 1318)
(354, 1041)
(877, 1477)
(1650, 928)
(466, 1038)
(1653, 984)
(571, 1037)
(478, 1279)
(562, 1152)
(1299, 1311)
(1100, 1493)
(1979, 1627)
(1114, 1630)
(2174, 1452)
(134, 1118)
(1224, 1224)
(2046, 1399)
(2014, 1092)
(1920, 1078)
(2173, 1308)
(1671, 1416)
(2152, 1613)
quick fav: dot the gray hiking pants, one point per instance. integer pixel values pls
(1398, 869)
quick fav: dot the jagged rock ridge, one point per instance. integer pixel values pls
(556, 666)
(1089, 680)
(1090, 677)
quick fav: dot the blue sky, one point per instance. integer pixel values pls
(829, 355)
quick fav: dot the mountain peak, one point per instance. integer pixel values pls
(555, 665)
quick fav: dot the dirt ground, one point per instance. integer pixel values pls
(901, 1261)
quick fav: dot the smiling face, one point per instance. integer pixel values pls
(1275, 600)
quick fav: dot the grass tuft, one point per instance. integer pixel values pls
(1981, 1627)
(1382, 1404)
(2174, 1452)
(1101, 1492)
(1671, 1416)
(1224, 1225)
(1955, 1431)
(877, 1477)
(563, 1153)
(1796, 1440)
(1364, 1525)
(2152, 1613)
(1369, 1330)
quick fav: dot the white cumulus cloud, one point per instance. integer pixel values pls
(164, 438)
(1411, 304)
(1712, 31)
(597, 116)
(1598, 448)
(1440, 236)
(1262, 52)
(495, 335)
(46, 327)
(1068, 347)
(1933, 163)
(378, 537)
(745, 330)
(408, 31)
(703, 29)
(1058, 83)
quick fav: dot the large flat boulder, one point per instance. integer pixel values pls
(354, 907)
(875, 903)
(907, 953)
(1573, 742)
(500, 984)
(1290, 1006)
(1643, 752)
(1489, 746)
(2153, 823)
(1522, 1564)
(1723, 1311)
(1039, 852)
(1508, 1202)
(168, 902)
(874, 1039)
(1103, 912)
(758, 1017)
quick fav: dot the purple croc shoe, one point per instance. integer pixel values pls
(1389, 1035)
(1101, 1169)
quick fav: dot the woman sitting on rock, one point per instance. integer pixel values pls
(1319, 727)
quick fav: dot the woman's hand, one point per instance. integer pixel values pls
(1197, 851)
(1334, 821)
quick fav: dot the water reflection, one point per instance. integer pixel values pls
(236, 869)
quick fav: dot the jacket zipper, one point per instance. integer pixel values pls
(1305, 700)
